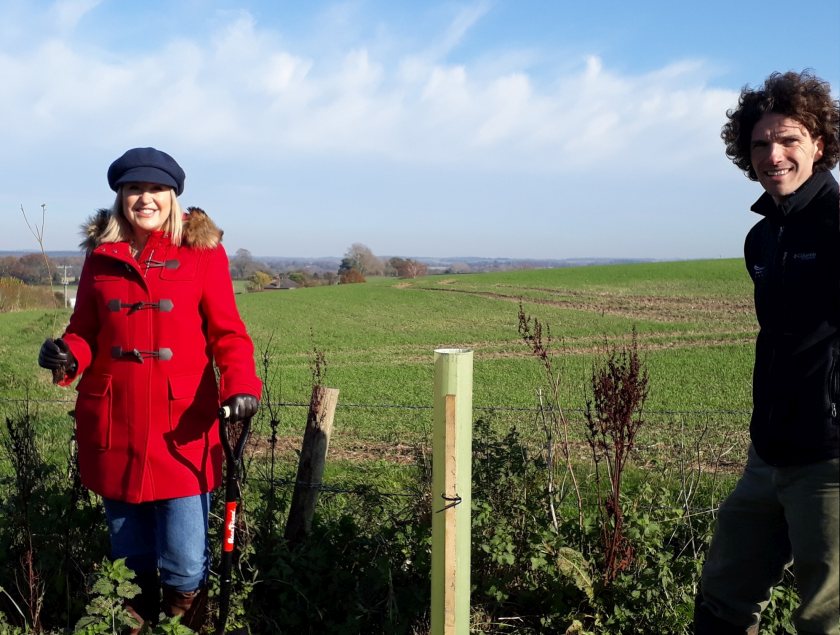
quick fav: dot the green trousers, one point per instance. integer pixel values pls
(777, 517)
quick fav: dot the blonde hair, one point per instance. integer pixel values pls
(118, 228)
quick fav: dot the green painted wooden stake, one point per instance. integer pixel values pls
(451, 491)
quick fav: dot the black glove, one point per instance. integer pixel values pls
(56, 356)
(242, 406)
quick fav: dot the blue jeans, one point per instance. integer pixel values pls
(167, 535)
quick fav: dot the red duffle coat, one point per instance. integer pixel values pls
(146, 333)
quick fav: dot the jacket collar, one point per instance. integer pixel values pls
(819, 183)
(199, 231)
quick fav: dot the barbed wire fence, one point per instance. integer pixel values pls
(370, 439)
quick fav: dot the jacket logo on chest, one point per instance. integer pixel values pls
(806, 256)
(759, 271)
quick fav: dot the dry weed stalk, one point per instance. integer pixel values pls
(613, 418)
(38, 232)
(28, 466)
(554, 421)
(268, 403)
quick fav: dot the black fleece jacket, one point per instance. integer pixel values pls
(793, 257)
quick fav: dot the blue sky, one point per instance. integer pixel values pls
(517, 128)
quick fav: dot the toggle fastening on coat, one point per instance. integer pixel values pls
(146, 333)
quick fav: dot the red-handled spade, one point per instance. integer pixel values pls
(233, 467)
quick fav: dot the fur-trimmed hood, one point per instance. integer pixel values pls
(199, 230)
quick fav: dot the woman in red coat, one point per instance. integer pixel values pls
(154, 313)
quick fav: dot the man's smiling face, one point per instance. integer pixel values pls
(783, 154)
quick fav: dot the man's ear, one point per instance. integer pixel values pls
(820, 146)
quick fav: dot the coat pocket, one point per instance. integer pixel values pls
(192, 407)
(182, 392)
(93, 411)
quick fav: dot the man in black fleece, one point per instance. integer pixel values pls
(784, 510)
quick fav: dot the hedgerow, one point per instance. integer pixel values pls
(566, 539)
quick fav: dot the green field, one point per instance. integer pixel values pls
(695, 327)
(694, 321)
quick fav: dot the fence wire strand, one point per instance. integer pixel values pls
(656, 418)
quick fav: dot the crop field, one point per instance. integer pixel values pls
(694, 327)
(693, 319)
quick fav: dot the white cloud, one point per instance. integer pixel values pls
(66, 14)
(241, 90)
(511, 100)
(282, 73)
(464, 20)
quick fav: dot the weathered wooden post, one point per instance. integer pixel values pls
(451, 492)
(313, 455)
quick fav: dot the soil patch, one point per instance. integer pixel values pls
(347, 449)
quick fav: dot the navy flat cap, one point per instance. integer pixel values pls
(146, 165)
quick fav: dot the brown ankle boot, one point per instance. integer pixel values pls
(145, 606)
(190, 605)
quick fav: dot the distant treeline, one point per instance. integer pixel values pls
(358, 263)
(36, 268)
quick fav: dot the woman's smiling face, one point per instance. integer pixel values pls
(146, 206)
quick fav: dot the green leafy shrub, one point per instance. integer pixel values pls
(365, 567)
(351, 575)
(51, 530)
(106, 612)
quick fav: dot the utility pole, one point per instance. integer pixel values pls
(64, 281)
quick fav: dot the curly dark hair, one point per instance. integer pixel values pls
(800, 96)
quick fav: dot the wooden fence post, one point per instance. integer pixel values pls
(451, 492)
(313, 455)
